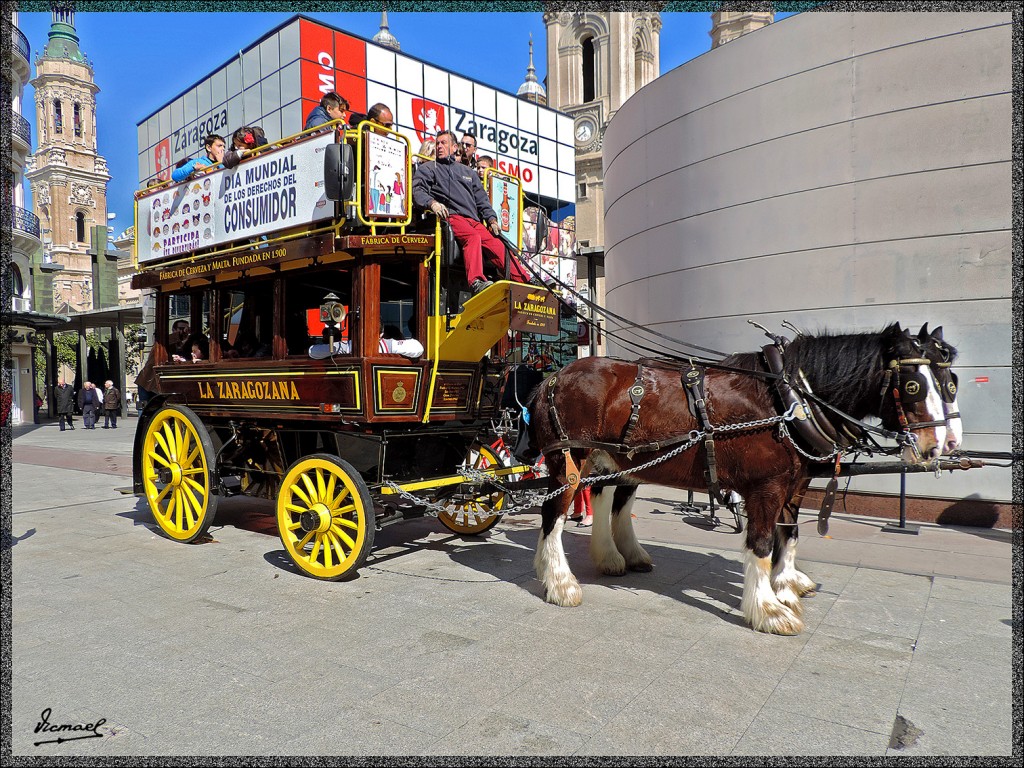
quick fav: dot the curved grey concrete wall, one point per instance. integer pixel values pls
(838, 170)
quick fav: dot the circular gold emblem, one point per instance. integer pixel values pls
(399, 394)
(913, 387)
(692, 374)
(951, 388)
(637, 391)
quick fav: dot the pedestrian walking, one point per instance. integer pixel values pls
(111, 405)
(64, 394)
(88, 403)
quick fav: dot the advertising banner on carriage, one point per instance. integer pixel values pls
(505, 200)
(274, 191)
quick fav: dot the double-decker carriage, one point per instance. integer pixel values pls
(293, 294)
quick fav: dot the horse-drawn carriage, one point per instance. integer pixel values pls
(330, 356)
(310, 290)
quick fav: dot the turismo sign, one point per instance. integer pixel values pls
(279, 189)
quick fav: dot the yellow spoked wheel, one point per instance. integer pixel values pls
(176, 463)
(325, 517)
(473, 514)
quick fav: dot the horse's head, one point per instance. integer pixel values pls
(941, 354)
(910, 395)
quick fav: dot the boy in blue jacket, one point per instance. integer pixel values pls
(214, 146)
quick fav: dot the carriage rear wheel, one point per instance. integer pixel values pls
(475, 513)
(176, 470)
(325, 517)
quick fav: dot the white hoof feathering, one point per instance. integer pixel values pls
(625, 539)
(789, 583)
(560, 586)
(605, 556)
(761, 608)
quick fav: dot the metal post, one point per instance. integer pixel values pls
(902, 527)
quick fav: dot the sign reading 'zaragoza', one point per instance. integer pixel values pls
(280, 189)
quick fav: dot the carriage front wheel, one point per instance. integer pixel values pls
(176, 472)
(474, 513)
(325, 517)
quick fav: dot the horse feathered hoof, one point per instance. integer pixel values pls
(777, 620)
(641, 566)
(565, 594)
(612, 565)
(790, 598)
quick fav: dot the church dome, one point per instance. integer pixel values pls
(531, 89)
(384, 37)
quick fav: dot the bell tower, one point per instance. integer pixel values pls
(67, 175)
(596, 61)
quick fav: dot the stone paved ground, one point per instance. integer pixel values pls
(444, 646)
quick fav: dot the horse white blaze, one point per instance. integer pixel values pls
(606, 558)
(761, 608)
(560, 586)
(936, 412)
(789, 583)
(625, 539)
(954, 427)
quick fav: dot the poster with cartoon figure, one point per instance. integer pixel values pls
(387, 182)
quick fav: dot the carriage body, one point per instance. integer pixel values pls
(295, 283)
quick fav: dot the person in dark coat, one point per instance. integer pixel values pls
(64, 394)
(88, 403)
(111, 405)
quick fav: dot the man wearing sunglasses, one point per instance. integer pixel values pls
(454, 193)
(468, 146)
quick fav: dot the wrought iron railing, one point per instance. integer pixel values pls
(20, 43)
(26, 221)
(20, 127)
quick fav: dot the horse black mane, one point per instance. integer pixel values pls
(845, 369)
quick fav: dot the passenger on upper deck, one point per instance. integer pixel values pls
(468, 147)
(331, 107)
(381, 115)
(244, 139)
(483, 163)
(214, 146)
(426, 152)
(454, 193)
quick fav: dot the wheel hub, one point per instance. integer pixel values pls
(316, 518)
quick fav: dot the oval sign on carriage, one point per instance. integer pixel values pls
(533, 310)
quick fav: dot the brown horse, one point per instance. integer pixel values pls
(588, 404)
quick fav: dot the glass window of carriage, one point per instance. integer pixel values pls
(247, 321)
(399, 284)
(303, 296)
(188, 326)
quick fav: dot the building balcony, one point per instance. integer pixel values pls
(20, 50)
(21, 133)
(25, 230)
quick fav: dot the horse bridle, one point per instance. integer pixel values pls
(912, 388)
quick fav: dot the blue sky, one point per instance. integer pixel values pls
(143, 60)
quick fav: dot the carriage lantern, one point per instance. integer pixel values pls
(332, 314)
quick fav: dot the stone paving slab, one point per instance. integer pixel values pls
(443, 645)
